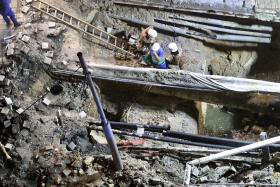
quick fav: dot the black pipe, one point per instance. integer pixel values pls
(213, 140)
(131, 126)
(164, 139)
(105, 123)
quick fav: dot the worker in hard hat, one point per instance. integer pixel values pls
(147, 38)
(157, 56)
(7, 13)
(175, 57)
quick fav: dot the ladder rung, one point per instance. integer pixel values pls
(63, 15)
(39, 6)
(100, 36)
(115, 42)
(86, 28)
(55, 13)
(108, 38)
(71, 18)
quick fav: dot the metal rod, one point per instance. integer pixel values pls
(123, 125)
(105, 123)
(235, 151)
(213, 140)
(163, 139)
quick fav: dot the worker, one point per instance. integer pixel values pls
(175, 57)
(147, 38)
(156, 57)
(7, 13)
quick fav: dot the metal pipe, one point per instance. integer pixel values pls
(105, 123)
(163, 139)
(213, 28)
(213, 140)
(223, 23)
(131, 126)
(183, 32)
(235, 151)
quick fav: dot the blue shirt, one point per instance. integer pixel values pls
(161, 55)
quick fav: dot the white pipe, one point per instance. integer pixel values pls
(232, 152)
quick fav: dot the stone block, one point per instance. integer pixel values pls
(88, 160)
(46, 101)
(98, 137)
(51, 24)
(71, 146)
(7, 123)
(45, 45)
(66, 172)
(20, 111)
(29, 1)
(11, 46)
(49, 54)
(48, 61)
(82, 114)
(10, 52)
(25, 49)
(9, 146)
(25, 38)
(25, 9)
(2, 78)
(8, 101)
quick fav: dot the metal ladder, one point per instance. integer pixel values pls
(112, 42)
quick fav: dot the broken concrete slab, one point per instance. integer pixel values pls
(97, 137)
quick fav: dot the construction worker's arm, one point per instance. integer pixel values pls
(144, 34)
(156, 56)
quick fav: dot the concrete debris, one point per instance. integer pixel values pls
(9, 146)
(7, 123)
(51, 24)
(48, 61)
(97, 137)
(8, 101)
(46, 101)
(71, 146)
(25, 9)
(29, 1)
(88, 160)
(66, 172)
(20, 111)
(45, 45)
(82, 114)
(25, 38)
(2, 78)
(5, 111)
